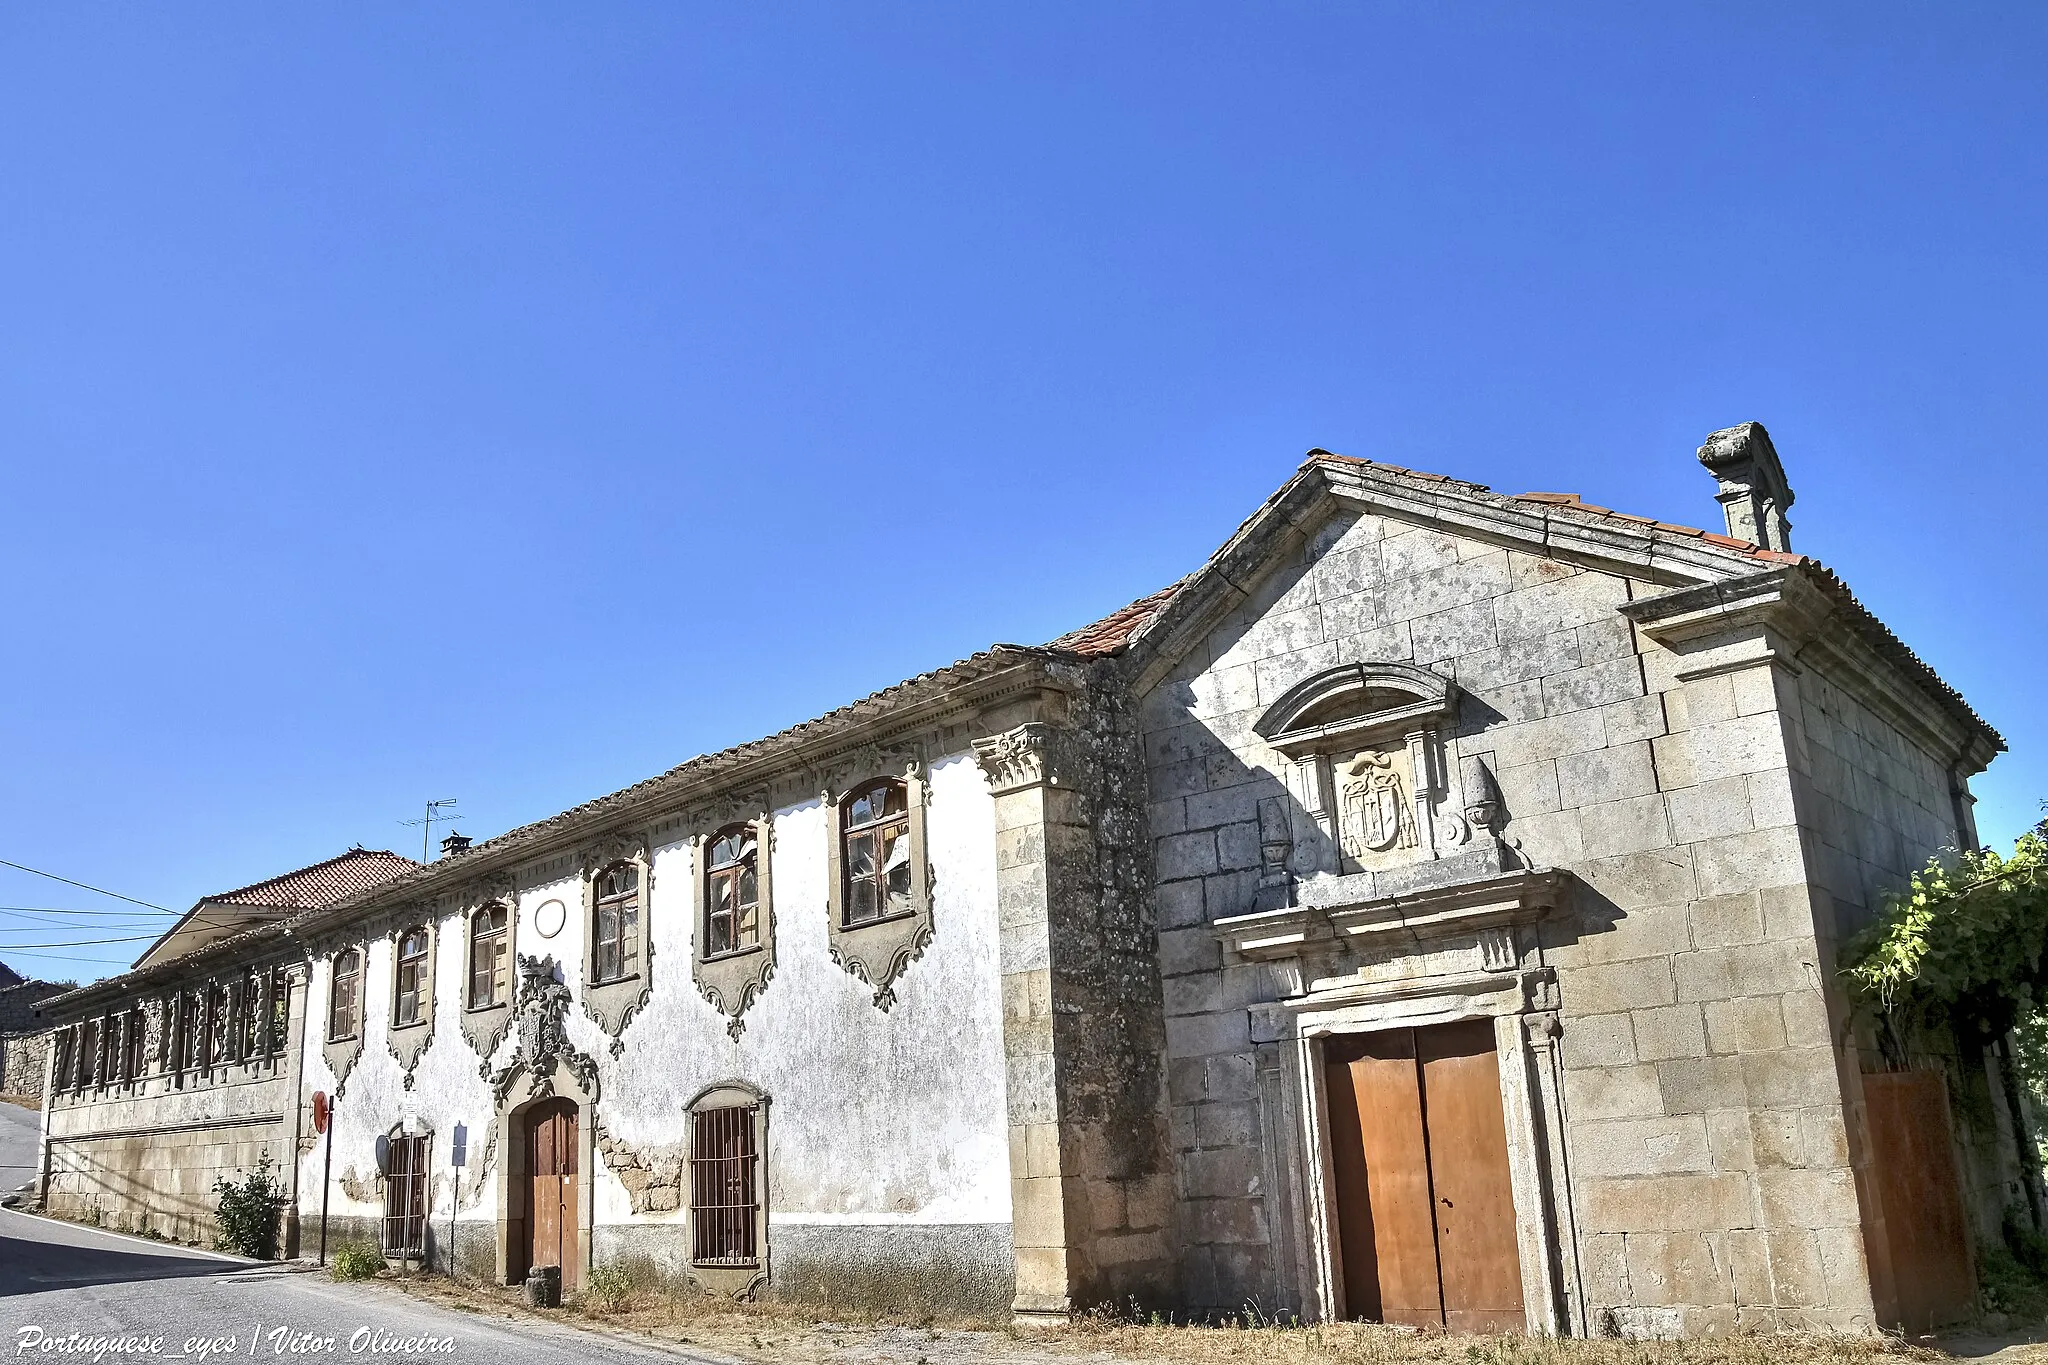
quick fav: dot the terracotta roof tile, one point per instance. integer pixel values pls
(1114, 631)
(322, 884)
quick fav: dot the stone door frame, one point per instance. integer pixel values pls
(1460, 953)
(511, 1183)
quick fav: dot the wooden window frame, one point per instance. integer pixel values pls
(423, 983)
(134, 1059)
(879, 951)
(626, 939)
(64, 1047)
(500, 937)
(878, 829)
(354, 976)
(251, 1019)
(716, 874)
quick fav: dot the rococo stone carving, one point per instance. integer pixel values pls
(731, 982)
(484, 1029)
(613, 1004)
(542, 1011)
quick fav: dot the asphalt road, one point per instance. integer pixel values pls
(57, 1279)
(20, 1130)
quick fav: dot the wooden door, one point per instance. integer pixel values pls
(1385, 1227)
(1915, 1171)
(1425, 1211)
(551, 1212)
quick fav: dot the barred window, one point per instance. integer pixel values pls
(732, 895)
(347, 994)
(405, 1196)
(618, 922)
(409, 1000)
(875, 852)
(724, 1186)
(487, 957)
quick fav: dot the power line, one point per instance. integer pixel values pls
(73, 943)
(83, 886)
(58, 910)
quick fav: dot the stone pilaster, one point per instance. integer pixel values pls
(1090, 1192)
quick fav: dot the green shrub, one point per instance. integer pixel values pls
(609, 1288)
(249, 1212)
(357, 1261)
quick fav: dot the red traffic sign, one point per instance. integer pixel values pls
(322, 1111)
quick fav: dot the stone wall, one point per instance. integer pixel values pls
(24, 1037)
(1708, 1160)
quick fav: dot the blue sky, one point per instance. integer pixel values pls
(508, 402)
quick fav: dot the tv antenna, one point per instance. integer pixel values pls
(433, 817)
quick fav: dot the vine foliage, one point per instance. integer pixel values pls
(1967, 941)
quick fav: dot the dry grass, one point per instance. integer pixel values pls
(794, 1333)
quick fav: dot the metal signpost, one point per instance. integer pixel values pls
(323, 1122)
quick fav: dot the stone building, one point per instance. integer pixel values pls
(1426, 910)
(24, 1037)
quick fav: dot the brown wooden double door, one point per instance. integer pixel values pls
(1425, 1210)
(1915, 1172)
(551, 1205)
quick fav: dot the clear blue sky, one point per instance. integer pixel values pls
(508, 402)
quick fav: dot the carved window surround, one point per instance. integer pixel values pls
(484, 1028)
(878, 952)
(342, 1053)
(1456, 952)
(732, 981)
(409, 1042)
(614, 1003)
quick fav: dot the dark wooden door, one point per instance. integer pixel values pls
(1425, 1212)
(551, 1213)
(1922, 1202)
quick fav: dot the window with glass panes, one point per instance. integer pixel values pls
(218, 1011)
(409, 1001)
(618, 922)
(732, 896)
(280, 1010)
(251, 1020)
(135, 1064)
(341, 1004)
(875, 852)
(487, 979)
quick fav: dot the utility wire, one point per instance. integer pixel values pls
(83, 886)
(73, 943)
(54, 910)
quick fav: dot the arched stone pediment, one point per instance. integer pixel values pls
(1354, 701)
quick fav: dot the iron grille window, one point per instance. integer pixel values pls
(723, 1187)
(341, 1006)
(487, 957)
(732, 895)
(875, 852)
(405, 1197)
(618, 922)
(280, 1011)
(409, 1001)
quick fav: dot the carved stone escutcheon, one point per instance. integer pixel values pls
(542, 1011)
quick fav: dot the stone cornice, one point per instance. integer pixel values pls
(1438, 912)
(1801, 615)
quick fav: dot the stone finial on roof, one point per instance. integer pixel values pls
(1754, 495)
